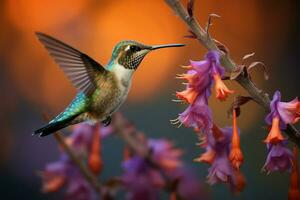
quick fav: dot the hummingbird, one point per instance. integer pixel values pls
(101, 89)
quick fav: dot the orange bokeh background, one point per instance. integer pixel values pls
(31, 82)
(95, 27)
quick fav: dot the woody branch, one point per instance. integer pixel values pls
(238, 74)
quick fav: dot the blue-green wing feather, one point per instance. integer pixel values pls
(76, 107)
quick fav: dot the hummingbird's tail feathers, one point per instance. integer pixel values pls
(54, 126)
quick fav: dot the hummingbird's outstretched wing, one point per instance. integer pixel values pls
(79, 67)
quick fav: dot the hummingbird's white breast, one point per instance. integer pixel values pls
(113, 91)
(123, 77)
(123, 74)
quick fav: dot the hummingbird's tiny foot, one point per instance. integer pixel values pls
(107, 121)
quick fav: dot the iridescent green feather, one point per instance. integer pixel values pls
(77, 106)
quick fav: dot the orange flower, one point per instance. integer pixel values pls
(236, 155)
(189, 95)
(275, 134)
(207, 157)
(95, 160)
(240, 181)
(127, 154)
(222, 92)
(52, 184)
(173, 196)
(294, 193)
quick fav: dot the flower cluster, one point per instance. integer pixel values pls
(200, 77)
(222, 145)
(224, 156)
(145, 179)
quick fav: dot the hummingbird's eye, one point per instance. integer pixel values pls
(135, 48)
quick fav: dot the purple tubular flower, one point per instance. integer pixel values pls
(201, 81)
(221, 170)
(218, 144)
(200, 77)
(197, 115)
(288, 112)
(279, 158)
(214, 58)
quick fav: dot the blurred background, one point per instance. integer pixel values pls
(31, 83)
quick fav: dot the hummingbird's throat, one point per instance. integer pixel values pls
(132, 61)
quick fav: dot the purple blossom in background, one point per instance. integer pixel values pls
(200, 77)
(77, 187)
(279, 158)
(82, 137)
(141, 180)
(164, 154)
(65, 173)
(188, 186)
(145, 181)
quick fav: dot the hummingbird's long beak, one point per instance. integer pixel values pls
(166, 46)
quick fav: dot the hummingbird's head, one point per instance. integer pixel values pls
(130, 54)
